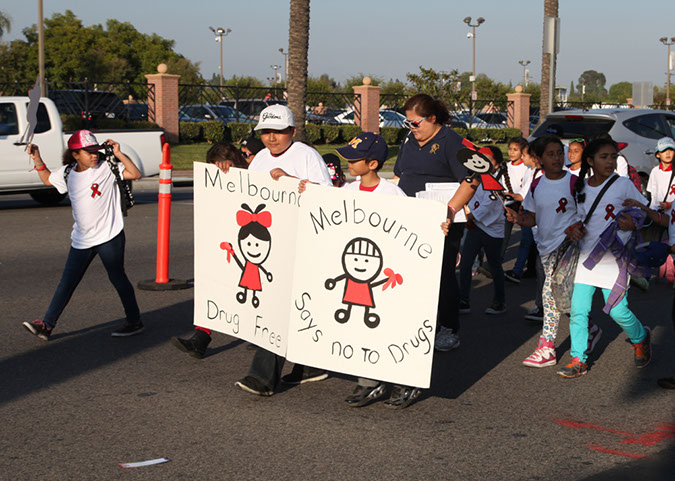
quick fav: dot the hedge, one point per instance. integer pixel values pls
(313, 133)
(190, 131)
(214, 131)
(391, 134)
(349, 132)
(239, 130)
(331, 133)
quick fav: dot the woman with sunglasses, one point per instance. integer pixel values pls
(429, 154)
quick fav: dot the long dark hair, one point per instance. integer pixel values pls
(589, 152)
(502, 169)
(426, 105)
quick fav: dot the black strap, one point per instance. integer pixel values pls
(126, 197)
(597, 199)
(670, 182)
(66, 172)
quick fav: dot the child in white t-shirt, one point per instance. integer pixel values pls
(550, 205)
(487, 215)
(661, 185)
(98, 229)
(601, 155)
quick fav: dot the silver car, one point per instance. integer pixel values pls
(635, 130)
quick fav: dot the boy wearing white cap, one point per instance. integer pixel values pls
(282, 157)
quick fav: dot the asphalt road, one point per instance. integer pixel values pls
(76, 406)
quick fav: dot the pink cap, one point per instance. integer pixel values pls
(84, 139)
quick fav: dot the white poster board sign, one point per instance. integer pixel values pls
(366, 284)
(245, 236)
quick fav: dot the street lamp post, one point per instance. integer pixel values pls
(667, 43)
(479, 21)
(524, 63)
(219, 33)
(285, 54)
(276, 75)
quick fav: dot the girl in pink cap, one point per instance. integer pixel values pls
(98, 228)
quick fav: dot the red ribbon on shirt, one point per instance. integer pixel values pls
(95, 191)
(610, 212)
(672, 190)
(263, 218)
(561, 205)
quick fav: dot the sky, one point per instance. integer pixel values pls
(388, 38)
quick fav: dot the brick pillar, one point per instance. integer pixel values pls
(369, 118)
(519, 111)
(166, 101)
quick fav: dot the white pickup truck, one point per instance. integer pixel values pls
(144, 147)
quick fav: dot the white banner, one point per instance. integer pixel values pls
(366, 283)
(245, 236)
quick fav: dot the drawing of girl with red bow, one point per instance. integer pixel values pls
(255, 244)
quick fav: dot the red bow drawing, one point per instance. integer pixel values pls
(226, 246)
(393, 279)
(263, 218)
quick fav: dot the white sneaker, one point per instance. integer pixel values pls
(543, 355)
(446, 339)
(594, 333)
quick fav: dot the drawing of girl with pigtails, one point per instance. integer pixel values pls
(255, 245)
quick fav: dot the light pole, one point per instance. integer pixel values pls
(479, 21)
(664, 41)
(220, 32)
(285, 54)
(276, 75)
(524, 63)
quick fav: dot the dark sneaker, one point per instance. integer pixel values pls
(535, 315)
(464, 307)
(128, 329)
(252, 385)
(39, 329)
(302, 374)
(643, 350)
(402, 397)
(575, 368)
(446, 339)
(363, 395)
(496, 308)
(194, 345)
(594, 333)
(511, 276)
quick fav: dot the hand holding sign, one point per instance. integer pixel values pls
(393, 279)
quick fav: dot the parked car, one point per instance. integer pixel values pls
(635, 130)
(89, 104)
(144, 147)
(388, 118)
(496, 118)
(206, 112)
(252, 107)
(474, 122)
(137, 111)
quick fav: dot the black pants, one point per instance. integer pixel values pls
(448, 299)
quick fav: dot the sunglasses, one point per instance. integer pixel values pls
(580, 141)
(413, 124)
(246, 154)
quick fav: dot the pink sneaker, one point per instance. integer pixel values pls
(543, 355)
(594, 333)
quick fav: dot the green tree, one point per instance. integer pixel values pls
(595, 85)
(5, 23)
(440, 85)
(619, 92)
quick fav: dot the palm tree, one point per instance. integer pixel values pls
(547, 76)
(298, 45)
(5, 25)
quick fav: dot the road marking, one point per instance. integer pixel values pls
(578, 425)
(614, 451)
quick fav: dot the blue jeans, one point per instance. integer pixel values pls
(582, 299)
(112, 256)
(475, 239)
(526, 241)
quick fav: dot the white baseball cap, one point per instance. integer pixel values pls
(275, 117)
(665, 143)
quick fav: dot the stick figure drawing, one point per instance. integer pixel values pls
(255, 244)
(362, 263)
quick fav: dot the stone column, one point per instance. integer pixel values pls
(166, 102)
(519, 111)
(369, 116)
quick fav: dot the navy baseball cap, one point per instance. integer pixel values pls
(651, 254)
(365, 145)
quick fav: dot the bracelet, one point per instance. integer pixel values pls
(41, 167)
(454, 211)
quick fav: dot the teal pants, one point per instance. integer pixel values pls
(582, 299)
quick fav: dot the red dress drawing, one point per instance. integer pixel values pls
(250, 279)
(358, 293)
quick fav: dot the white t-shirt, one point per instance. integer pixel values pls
(555, 210)
(300, 160)
(489, 215)
(384, 187)
(658, 185)
(622, 166)
(516, 176)
(95, 198)
(604, 274)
